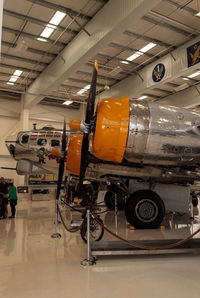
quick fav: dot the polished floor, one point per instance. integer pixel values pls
(32, 264)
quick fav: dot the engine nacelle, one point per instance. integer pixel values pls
(74, 154)
(146, 133)
(111, 130)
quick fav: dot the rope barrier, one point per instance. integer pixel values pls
(137, 245)
(68, 229)
(133, 244)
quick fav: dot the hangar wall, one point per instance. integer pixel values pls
(11, 124)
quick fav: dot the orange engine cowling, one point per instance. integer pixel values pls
(112, 123)
(74, 154)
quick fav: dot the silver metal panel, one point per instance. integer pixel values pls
(162, 135)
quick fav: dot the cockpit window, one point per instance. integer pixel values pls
(55, 143)
(25, 139)
(41, 142)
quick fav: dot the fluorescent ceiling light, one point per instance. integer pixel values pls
(142, 97)
(47, 32)
(197, 73)
(146, 48)
(57, 18)
(67, 102)
(9, 83)
(134, 56)
(41, 39)
(13, 79)
(197, 14)
(83, 90)
(125, 62)
(185, 78)
(17, 73)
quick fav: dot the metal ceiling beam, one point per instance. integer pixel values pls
(111, 21)
(182, 6)
(133, 86)
(36, 21)
(31, 50)
(84, 82)
(106, 78)
(67, 10)
(129, 49)
(27, 60)
(146, 38)
(19, 67)
(174, 22)
(4, 74)
(15, 84)
(32, 36)
(169, 26)
(116, 58)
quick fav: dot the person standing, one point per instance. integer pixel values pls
(3, 198)
(12, 196)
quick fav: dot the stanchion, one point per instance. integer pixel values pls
(115, 204)
(56, 234)
(90, 260)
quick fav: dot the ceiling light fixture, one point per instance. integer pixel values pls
(41, 39)
(80, 92)
(195, 74)
(9, 83)
(67, 102)
(15, 76)
(125, 62)
(17, 73)
(139, 53)
(57, 18)
(198, 13)
(47, 32)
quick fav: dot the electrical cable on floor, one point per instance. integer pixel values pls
(137, 245)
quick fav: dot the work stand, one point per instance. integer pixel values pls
(119, 248)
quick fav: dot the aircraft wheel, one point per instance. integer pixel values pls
(109, 200)
(96, 230)
(144, 209)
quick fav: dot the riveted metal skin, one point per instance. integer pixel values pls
(162, 135)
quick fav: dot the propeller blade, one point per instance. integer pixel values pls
(62, 161)
(88, 118)
(91, 97)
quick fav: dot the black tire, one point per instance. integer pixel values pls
(109, 200)
(144, 209)
(96, 230)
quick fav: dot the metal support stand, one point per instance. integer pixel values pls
(56, 234)
(119, 248)
(90, 260)
(115, 204)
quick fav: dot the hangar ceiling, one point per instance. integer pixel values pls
(41, 47)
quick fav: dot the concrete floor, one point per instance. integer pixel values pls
(32, 264)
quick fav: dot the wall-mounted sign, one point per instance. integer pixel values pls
(193, 54)
(158, 72)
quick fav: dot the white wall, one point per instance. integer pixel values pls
(10, 124)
